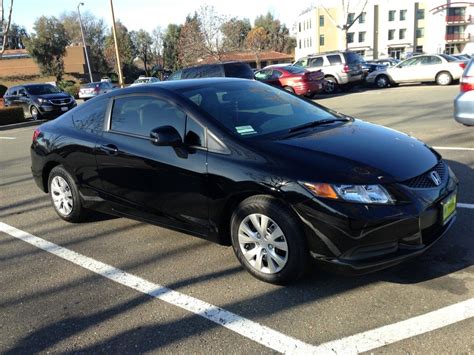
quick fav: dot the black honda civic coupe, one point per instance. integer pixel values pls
(241, 163)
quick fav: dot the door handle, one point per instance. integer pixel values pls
(109, 148)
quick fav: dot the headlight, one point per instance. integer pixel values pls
(42, 101)
(373, 194)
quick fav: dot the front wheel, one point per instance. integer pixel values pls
(268, 241)
(289, 89)
(35, 114)
(382, 81)
(65, 195)
(331, 85)
(444, 79)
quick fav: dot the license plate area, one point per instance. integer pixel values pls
(448, 208)
(64, 108)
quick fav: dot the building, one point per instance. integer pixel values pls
(387, 28)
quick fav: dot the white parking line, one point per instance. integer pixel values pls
(466, 205)
(254, 331)
(8, 138)
(454, 148)
(245, 327)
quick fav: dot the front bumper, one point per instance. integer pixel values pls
(358, 238)
(53, 111)
(464, 108)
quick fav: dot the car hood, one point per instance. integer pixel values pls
(59, 95)
(353, 152)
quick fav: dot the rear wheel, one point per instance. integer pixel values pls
(331, 85)
(444, 78)
(65, 195)
(382, 81)
(268, 241)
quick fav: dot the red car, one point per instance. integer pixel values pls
(294, 79)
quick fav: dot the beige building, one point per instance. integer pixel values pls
(387, 28)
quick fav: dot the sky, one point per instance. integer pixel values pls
(148, 14)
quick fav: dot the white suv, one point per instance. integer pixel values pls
(339, 68)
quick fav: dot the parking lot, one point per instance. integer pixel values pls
(115, 285)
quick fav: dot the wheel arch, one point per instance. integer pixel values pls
(50, 165)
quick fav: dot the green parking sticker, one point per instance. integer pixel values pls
(244, 130)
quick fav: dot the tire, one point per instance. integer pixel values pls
(289, 89)
(35, 114)
(65, 195)
(280, 259)
(444, 78)
(382, 81)
(331, 86)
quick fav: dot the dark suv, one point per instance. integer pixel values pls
(39, 100)
(227, 69)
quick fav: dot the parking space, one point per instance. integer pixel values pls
(56, 305)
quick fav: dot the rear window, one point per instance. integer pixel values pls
(316, 62)
(334, 59)
(238, 70)
(449, 58)
(353, 58)
(90, 85)
(206, 71)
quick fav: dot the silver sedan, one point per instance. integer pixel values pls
(464, 102)
(440, 68)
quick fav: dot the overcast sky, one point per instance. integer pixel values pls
(148, 14)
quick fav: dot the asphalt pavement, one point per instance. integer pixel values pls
(49, 304)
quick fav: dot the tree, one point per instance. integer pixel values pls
(256, 41)
(191, 41)
(157, 37)
(234, 32)
(278, 34)
(349, 17)
(16, 37)
(94, 33)
(125, 45)
(171, 47)
(5, 25)
(47, 46)
(143, 44)
(210, 24)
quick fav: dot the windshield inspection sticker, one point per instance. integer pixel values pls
(244, 130)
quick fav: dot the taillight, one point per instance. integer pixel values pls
(346, 69)
(97, 88)
(36, 133)
(462, 65)
(467, 83)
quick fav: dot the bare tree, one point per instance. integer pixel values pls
(211, 24)
(257, 41)
(347, 9)
(5, 27)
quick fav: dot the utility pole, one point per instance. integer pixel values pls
(84, 42)
(119, 66)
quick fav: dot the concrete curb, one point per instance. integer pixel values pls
(21, 125)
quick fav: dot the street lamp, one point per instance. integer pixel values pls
(84, 42)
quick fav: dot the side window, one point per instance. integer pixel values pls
(176, 75)
(195, 135)
(263, 75)
(303, 62)
(431, 60)
(410, 62)
(21, 92)
(334, 59)
(210, 71)
(276, 74)
(140, 114)
(90, 116)
(316, 62)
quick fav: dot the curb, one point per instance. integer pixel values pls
(21, 125)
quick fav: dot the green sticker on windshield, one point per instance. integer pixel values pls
(244, 130)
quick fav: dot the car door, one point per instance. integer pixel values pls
(22, 100)
(156, 183)
(10, 97)
(406, 71)
(430, 66)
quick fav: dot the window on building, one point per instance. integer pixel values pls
(419, 49)
(361, 36)
(402, 33)
(299, 44)
(450, 30)
(403, 15)
(420, 14)
(391, 15)
(321, 40)
(310, 23)
(362, 17)
(299, 27)
(350, 37)
(396, 52)
(321, 21)
(391, 35)
(420, 32)
(350, 17)
(456, 11)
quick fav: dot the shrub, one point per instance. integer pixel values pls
(70, 87)
(9, 115)
(3, 90)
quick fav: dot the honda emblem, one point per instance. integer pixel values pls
(435, 178)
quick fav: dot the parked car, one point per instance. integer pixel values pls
(293, 79)
(463, 57)
(145, 80)
(226, 69)
(276, 65)
(389, 62)
(368, 67)
(439, 68)
(339, 68)
(90, 90)
(464, 102)
(240, 162)
(39, 100)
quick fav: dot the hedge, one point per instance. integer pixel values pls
(9, 115)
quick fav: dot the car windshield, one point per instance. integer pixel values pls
(141, 81)
(42, 89)
(252, 109)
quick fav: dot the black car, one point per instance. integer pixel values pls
(216, 70)
(240, 162)
(40, 100)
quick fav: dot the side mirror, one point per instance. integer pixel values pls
(166, 136)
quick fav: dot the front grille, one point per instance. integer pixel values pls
(424, 180)
(60, 101)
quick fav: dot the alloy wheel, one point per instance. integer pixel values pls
(34, 113)
(62, 195)
(263, 243)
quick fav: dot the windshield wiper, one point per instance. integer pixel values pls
(318, 123)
